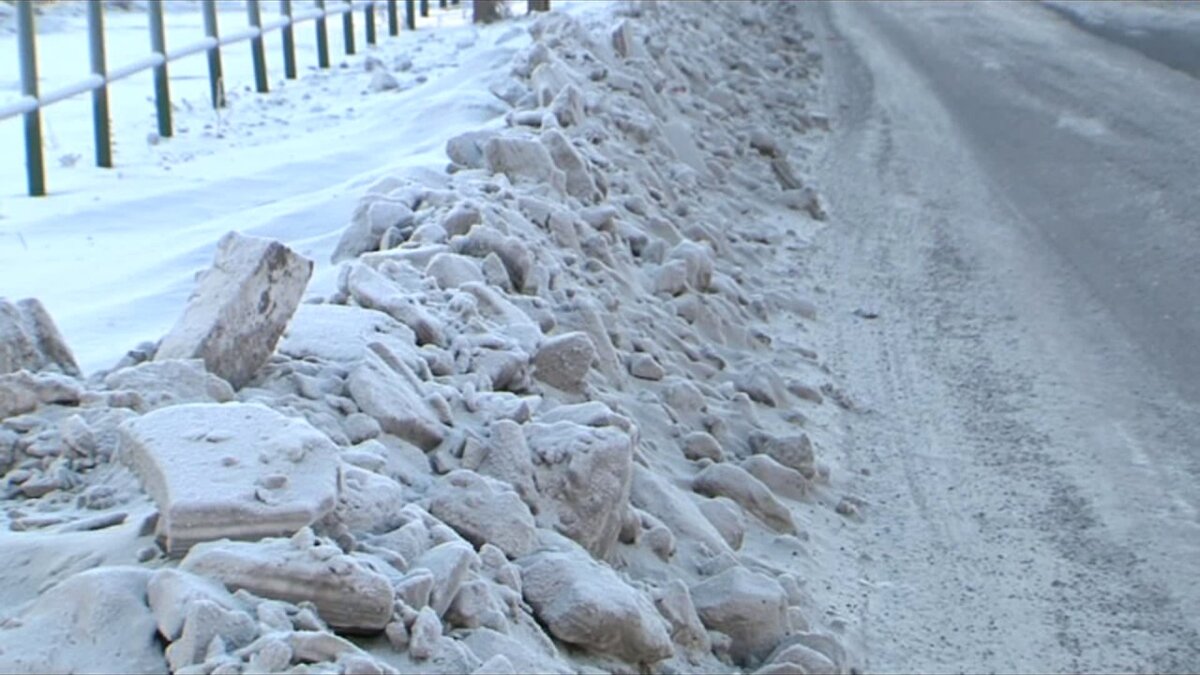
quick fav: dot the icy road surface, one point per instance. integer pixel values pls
(1017, 199)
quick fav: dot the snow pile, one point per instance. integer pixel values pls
(549, 421)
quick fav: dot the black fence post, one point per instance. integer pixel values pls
(162, 87)
(424, 8)
(35, 165)
(100, 122)
(369, 19)
(257, 51)
(486, 11)
(322, 37)
(348, 27)
(393, 18)
(289, 41)
(410, 14)
(216, 81)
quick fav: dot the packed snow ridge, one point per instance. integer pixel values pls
(555, 417)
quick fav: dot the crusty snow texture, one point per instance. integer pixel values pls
(547, 421)
(232, 471)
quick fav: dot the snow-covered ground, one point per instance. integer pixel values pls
(111, 253)
(560, 406)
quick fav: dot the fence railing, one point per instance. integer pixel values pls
(31, 102)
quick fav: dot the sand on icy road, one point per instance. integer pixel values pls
(1016, 200)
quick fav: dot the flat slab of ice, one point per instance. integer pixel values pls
(234, 470)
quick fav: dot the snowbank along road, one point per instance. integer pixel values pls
(1015, 199)
(558, 407)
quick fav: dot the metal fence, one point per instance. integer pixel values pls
(320, 11)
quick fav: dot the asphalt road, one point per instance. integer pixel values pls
(1017, 196)
(1168, 34)
(1099, 149)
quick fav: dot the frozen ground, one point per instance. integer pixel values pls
(1014, 198)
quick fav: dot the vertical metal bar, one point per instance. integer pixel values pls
(442, 4)
(393, 19)
(322, 37)
(257, 50)
(35, 165)
(162, 88)
(348, 28)
(369, 19)
(289, 41)
(424, 8)
(100, 124)
(216, 81)
(410, 14)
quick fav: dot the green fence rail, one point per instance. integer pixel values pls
(31, 102)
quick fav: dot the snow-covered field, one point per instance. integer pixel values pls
(511, 369)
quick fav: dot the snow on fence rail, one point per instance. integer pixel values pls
(31, 101)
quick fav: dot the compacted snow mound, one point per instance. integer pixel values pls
(101, 614)
(556, 415)
(587, 604)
